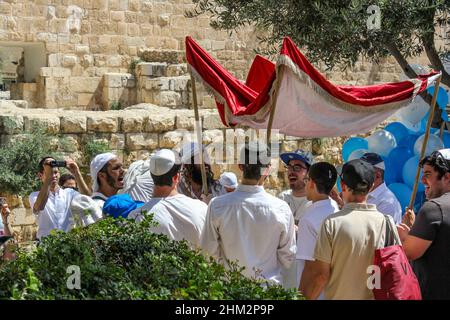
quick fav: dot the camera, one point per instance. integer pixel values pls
(2, 201)
(58, 163)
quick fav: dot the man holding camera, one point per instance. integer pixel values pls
(51, 204)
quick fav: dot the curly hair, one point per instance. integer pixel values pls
(438, 162)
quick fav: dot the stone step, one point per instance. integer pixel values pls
(180, 83)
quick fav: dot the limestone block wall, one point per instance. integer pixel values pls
(85, 39)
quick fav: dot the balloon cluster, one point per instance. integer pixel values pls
(400, 145)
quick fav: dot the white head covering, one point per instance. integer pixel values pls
(97, 164)
(229, 180)
(163, 161)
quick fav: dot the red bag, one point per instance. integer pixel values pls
(398, 281)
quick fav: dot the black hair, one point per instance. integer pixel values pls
(167, 178)
(438, 162)
(324, 175)
(104, 169)
(41, 163)
(64, 178)
(253, 171)
(194, 174)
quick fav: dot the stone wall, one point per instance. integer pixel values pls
(84, 39)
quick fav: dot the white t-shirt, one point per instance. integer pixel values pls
(179, 217)
(308, 230)
(56, 214)
(386, 202)
(253, 228)
(298, 205)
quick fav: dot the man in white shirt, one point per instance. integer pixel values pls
(250, 226)
(319, 183)
(179, 217)
(107, 175)
(297, 164)
(380, 195)
(51, 204)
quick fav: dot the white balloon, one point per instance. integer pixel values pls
(434, 143)
(382, 142)
(357, 154)
(414, 112)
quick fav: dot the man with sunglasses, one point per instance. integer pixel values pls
(426, 239)
(297, 164)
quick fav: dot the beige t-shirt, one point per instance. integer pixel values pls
(347, 241)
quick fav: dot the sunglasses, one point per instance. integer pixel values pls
(295, 168)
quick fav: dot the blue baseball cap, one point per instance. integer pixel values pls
(120, 205)
(298, 154)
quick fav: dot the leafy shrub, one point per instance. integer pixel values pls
(121, 259)
(19, 162)
(93, 147)
(115, 105)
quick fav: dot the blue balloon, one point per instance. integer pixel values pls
(338, 184)
(397, 159)
(446, 139)
(402, 192)
(353, 144)
(409, 141)
(390, 172)
(409, 173)
(442, 97)
(398, 130)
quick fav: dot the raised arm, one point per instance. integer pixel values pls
(75, 170)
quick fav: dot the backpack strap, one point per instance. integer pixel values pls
(388, 238)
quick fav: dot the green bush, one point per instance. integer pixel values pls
(19, 162)
(93, 147)
(121, 259)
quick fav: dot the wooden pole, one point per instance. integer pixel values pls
(272, 111)
(199, 131)
(425, 141)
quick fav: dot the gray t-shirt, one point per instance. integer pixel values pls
(433, 268)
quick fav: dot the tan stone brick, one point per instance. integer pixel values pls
(133, 123)
(117, 16)
(117, 141)
(141, 141)
(171, 139)
(160, 123)
(84, 84)
(50, 123)
(84, 99)
(185, 122)
(100, 123)
(212, 121)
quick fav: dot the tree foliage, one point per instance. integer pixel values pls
(121, 259)
(19, 160)
(337, 33)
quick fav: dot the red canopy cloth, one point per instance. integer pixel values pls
(306, 103)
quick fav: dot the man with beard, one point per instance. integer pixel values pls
(427, 242)
(191, 183)
(51, 204)
(107, 175)
(297, 164)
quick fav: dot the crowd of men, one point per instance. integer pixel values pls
(311, 237)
